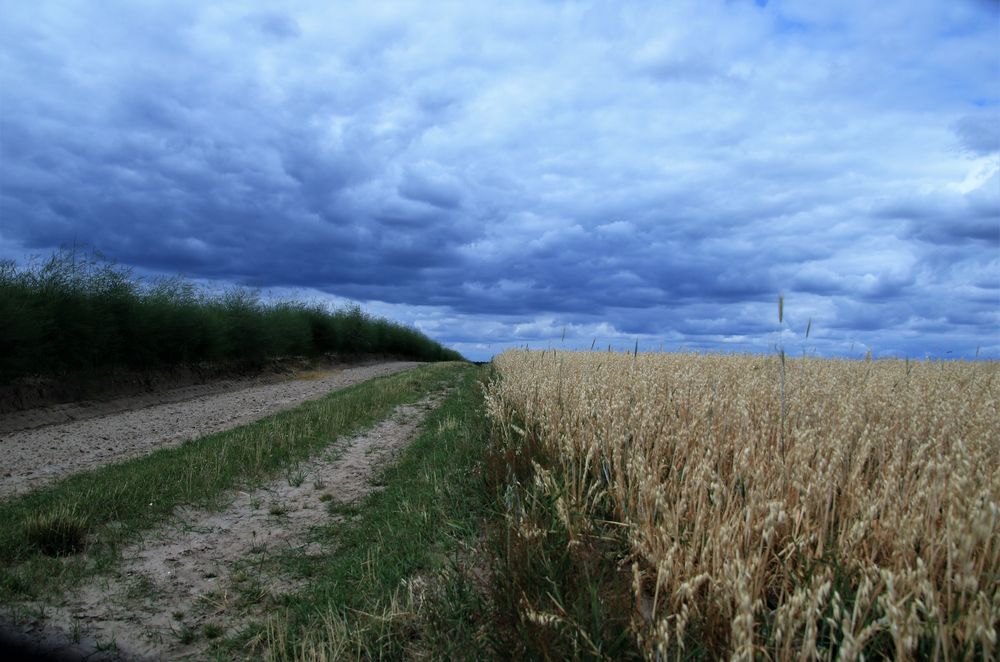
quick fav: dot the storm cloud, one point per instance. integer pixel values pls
(531, 172)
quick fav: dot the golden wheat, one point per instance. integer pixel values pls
(862, 521)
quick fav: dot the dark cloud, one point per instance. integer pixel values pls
(979, 134)
(507, 174)
(277, 25)
(950, 218)
(431, 185)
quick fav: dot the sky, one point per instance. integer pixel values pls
(549, 174)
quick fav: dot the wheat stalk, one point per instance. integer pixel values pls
(872, 516)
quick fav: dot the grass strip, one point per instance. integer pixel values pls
(42, 531)
(400, 579)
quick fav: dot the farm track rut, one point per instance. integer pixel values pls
(35, 457)
(187, 578)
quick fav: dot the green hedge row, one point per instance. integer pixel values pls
(76, 313)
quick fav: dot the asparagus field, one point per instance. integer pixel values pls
(669, 505)
(77, 313)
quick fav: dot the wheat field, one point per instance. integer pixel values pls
(846, 510)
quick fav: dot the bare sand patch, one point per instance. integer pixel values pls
(188, 579)
(35, 457)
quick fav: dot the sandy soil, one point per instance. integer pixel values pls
(190, 574)
(35, 457)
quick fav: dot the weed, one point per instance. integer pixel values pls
(296, 478)
(139, 587)
(212, 630)
(447, 424)
(343, 509)
(58, 532)
(186, 635)
(252, 593)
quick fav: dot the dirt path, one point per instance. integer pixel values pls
(189, 581)
(31, 458)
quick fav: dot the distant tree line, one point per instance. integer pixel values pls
(77, 312)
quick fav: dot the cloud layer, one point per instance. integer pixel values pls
(497, 174)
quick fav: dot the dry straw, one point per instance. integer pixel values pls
(857, 517)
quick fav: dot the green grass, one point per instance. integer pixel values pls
(407, 572)
(76, 314)
(581, 582)
(56, 532)
(399, 580)
(114, 503)
(212, 630)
